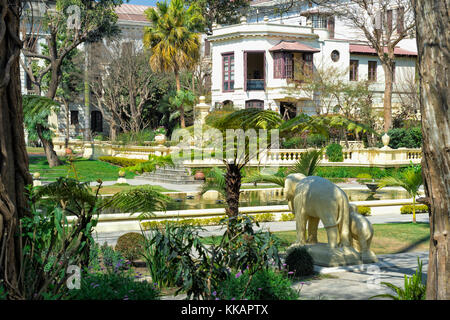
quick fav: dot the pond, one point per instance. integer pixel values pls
(268, 197)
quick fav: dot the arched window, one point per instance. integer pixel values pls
(254, 104)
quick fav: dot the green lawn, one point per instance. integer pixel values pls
(87, 170)
(388, 238)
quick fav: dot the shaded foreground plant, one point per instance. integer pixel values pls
(176, 255)
(413, 289)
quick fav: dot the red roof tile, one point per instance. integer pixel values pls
(132, 12)
(364, 49)
(293, 46)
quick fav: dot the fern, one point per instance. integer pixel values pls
(141, 199)
(36, 110)
(215, 180)
(308, 162)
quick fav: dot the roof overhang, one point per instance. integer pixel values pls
(293, 46)
(365, 49)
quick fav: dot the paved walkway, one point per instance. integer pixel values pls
(364, 281)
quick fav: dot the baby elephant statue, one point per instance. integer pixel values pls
(317, 199)
(362, 231)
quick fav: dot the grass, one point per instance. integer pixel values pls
(87, 170)
(35, 150)
(388, 237)
(123, 187)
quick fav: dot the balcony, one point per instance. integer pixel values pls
(255, 84)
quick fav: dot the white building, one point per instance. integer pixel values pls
(254, 62)
(131, 21)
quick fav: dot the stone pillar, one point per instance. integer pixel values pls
(201, 110)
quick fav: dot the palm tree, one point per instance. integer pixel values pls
(410, 180)
(173, 39)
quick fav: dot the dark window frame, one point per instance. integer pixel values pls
(372, 71)
(353, 72)
(229, 57)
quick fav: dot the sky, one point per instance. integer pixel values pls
(143, 2)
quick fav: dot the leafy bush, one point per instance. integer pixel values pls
(405, 138)
(334, 153)
(130, 245)
(365, 211)
(287, 217)
(353, 172)
(100, 137)
(266, 284)
(413, 289)
(363, 176)
(315, 141)
(113, 286)
(152, 163)
(122, 162)
(299, 261)
(408, 209)
(293, 143)
(105, 259)
(2, 293)
(264, 217)
(135, 138)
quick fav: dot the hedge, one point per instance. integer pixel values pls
(405, 138)
(122, 162)
(334, 153)
(408, 209)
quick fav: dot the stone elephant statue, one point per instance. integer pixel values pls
(362, 231)
(317, 199)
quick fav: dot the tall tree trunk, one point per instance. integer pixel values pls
(433, 42)
(387, 100)
(14, 175)
(233, 186)
(52, 157)
(181, 108)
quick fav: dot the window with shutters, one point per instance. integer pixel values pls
(307, 64)
(372, 72)
(228, 71)
(283, 66)
(259, 104)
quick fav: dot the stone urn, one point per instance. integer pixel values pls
(199, 175)
(160, 139)
(385, 139)
(372, 187)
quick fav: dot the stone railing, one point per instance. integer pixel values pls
(369, 157)
(96, 149)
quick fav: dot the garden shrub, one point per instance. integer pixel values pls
(293, 143)
(122, 162)
(266, 284)
(353, 172)
(405, 138)
(264, 217)
(287, 217)
(299, 261)
(130, 245)
(334, 153)
(2, 293)
(113, 286)
(365, 211)
(408, 209)
(135, 138)
(315, 141)
(363, 176)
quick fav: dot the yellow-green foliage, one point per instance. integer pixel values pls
(262, 217)
(287, 217)
(122, 162)
(365, 211)
(364, 176)
(408, 209)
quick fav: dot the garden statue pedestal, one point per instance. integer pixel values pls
(324, 255)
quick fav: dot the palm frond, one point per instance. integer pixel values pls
(34, 105)
(67, 190)
(249, 118)
(215, 180)
(308, 162)
(257, 177)
(141, 199)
